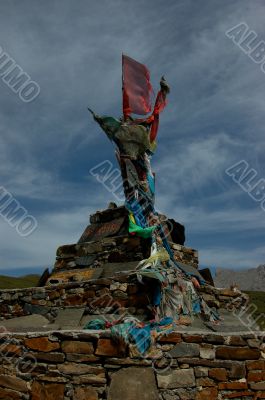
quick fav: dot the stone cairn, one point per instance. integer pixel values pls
(142, 321)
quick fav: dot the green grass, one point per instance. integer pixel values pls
(258, 298)
(11, 282)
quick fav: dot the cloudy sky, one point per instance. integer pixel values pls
(214, 119)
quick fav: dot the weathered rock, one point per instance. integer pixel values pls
(255, 365)
(219, 374)
(207, 353)
(81, 369)
(71, 346)
(205, 382)
(12, 382)
(41, 344)
(185, 350)
(172, 337)
(82, 358)
(49, 357)
(192, 338)
(235, 341)
(214, 339)
(254, 343)
(89, 380)
(232, 385)
(85, 393)
(256, 376)
(237, 353)
(258, 386)
(106, 347)
(200, 372)
(207, 394)
(7, 394)
(10, 348)
(176, 379)
(240, 395)
(133, 383)
(50, 391)
(237, 371)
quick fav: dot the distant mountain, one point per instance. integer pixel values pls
(250, 279)
(11, 282)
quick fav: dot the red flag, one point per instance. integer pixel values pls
(160, 104)
(137, 89)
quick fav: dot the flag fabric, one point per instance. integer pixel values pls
(137, 88)
(160, 104)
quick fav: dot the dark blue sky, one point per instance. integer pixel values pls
(214, 119)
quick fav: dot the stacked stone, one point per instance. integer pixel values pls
(106, 241)
(90, 366)
(124, 294)
(185, 255)
(115, 249)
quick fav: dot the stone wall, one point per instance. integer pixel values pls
(105, 295)
(82, 259)
(90, 366)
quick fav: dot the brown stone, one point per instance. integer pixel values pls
(219, 374)
(54, 295)
(256, 365)
(235, 341)
(7, 394)
(12, 382)
(50, 391)
(229, 292)
(172, 337)
(205, 382)
(106, 347)
(257, 386)
(71, 346)
(50, 357)
(239, 395)
(89, 380)
(74, 300)
(80, 358)
(7, 348)
(85, 393)
(37, 302)
(52, 376)
(207, 394)
(237, 371)
(192, 338)
(237, 353)
(41, 344)
(80, 369)
(256, 376)
(232, 385)
(89, 294)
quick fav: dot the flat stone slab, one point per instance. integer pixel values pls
(133, 383)
(112, 269)
(176, 379)
(69, 317)
(185, 350)
(28, 323)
